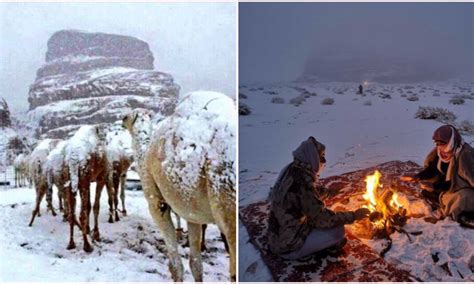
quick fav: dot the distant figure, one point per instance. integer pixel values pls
(361, 90)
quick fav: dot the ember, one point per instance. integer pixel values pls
(387, 214)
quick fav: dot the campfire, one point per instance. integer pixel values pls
(387, 214)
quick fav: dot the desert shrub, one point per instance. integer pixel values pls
(297, 101)
(435, 113)
(270, 92)
(327, 101)
(307, 94)
(244, 109)
(465, 127)
(385, 96)
(368, 103)
(278, 100)
(436, 95)
(456, 101)
(413, 98)
(242, 96)
(408, 87)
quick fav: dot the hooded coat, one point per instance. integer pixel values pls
(296, 201)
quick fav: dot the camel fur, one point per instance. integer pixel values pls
(189, 167)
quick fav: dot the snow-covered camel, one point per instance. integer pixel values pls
(87, 162)
(36, 164)
(57, 173)
(120, 158)
(20, 165)
(189, 167)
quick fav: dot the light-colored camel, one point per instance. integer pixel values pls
(36, 168)
(120, 158)
(20, 165)
(57, 173)
(189, 167)
(87, 162)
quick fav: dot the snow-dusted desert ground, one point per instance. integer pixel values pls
(130, 250)
(359, 132)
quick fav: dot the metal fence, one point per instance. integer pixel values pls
(7, 177)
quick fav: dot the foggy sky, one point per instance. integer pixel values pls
(194, 42)
(281, 41)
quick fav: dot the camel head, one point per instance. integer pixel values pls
(101, 132)
(138, 120)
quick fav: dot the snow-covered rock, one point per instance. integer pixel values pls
(5, 120)
(91, 78)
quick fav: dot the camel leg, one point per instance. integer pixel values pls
(223, 210)
(203, 238)
(71, 197)
(123, 180)
(49, 198)
(116, 193)
(195, 241)
(110, 195)
(95, 232)
(60, 198)
(161, 213)
(84, 217)
(39, 196)
(65, 203)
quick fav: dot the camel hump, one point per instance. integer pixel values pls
(201, 132)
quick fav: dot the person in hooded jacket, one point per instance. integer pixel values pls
(449, 171)
(300, 224)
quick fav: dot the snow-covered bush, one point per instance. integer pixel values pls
(413, 98)
(296, 101)
(465, 127)
(385, 96)
(456, 101)
(244, 109)
(368, 103)
(278, 100)
(270, 92)
(307, 94)
(436, 113)
(327, 101)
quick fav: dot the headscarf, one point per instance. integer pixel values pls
(306, 153)
(448, 134)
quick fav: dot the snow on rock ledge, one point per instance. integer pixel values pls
(94, 77)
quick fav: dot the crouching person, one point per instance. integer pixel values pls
(299, 223)
(449, 169)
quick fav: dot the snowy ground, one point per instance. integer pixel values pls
(359, 132)
(131, 250)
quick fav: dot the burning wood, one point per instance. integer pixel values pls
(387, 214)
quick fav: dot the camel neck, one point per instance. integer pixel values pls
(140, 143)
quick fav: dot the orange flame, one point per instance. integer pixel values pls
(372, 183)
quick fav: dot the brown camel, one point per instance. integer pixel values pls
(37, 159)
(87, 162)
(189, 167)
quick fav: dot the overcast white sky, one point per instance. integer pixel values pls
(194, 42)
